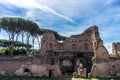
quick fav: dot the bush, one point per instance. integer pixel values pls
(31, 52)
(2, 51)
(6, 52)
(36, 51)
(22, 51)
(13, 51)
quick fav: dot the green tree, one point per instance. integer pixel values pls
(11, 26)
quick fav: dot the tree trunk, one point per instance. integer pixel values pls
(33, 40)
(27, 41)
(12, 37)
(22, 39)
(9, 42)
(17, 36)
(39, 41)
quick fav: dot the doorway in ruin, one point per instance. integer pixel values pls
(51, 74)
(51, 46)
(27, 72)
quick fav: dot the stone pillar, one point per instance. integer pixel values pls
(114, 49)
(48, 42)
(100, 66)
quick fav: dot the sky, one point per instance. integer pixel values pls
(68, 17)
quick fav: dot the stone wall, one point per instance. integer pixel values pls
(80, 43)
(115, 49)
(103, 66)
(29, 67)
(48, 62)
(48, 42)
(11, 65)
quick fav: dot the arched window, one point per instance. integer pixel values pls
(86, 46)
(113, 66)
(26, 70)
(61, 46)
(73, 46)
(52, 61)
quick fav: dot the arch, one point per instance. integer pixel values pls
(27, 70)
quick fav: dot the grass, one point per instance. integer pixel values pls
(31, 78)
(95, 79)
(47, 78)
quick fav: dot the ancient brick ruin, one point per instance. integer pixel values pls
(115, 48)
(59, 57)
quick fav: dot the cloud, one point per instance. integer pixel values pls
(109, 47)
(68, 16)
(32, 4)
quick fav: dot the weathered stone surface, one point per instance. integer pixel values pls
(100, 70)
(48, 42)
(101, 54)
(114, 68)
(81, 72)
(115, 48)
(2, 73)
(67, 63)
(103, 66)
(100, 66)
(39, 70)
(56, 53)
(20, 71)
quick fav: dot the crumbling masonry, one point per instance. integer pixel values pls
(58, 57)
(116, 48)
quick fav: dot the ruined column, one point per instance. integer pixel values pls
(48, 42)
(100, 66)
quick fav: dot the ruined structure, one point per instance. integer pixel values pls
(55, 59)
(67, 49)
(115, 49)
(58, 57)
(100, 67)
(103, 66)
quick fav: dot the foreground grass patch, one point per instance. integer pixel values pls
(47, 78)
(95, 79)
(80, 79)
(32, 78)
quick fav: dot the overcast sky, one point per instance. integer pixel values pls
(68, 17)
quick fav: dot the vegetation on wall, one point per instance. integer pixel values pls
(58, 36)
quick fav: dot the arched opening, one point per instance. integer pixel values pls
(86, 46)
(73, 46)
(50, 46)
(51, 73)
(26, 70)
(113, 66)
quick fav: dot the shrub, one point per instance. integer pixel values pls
(2, 51)
(22, 51)
(7, 52)
(12, 51)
